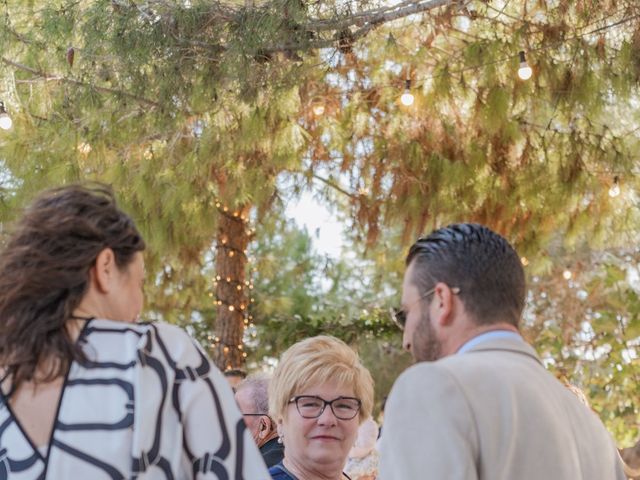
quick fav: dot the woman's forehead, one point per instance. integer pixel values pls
(329, 388)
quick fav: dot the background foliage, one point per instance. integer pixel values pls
(187, 105)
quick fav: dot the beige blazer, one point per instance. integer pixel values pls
(492, 413)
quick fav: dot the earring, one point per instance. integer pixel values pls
(280, 439)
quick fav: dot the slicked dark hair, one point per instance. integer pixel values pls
(44, 274)
(481, 263)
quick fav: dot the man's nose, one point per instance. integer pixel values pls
(406, 341)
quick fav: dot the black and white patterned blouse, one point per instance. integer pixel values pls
(147, 405)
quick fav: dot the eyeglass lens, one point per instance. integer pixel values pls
(399, 317)
(310, 406)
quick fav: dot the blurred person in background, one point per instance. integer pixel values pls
(362, 463)
(234, 376)
(252, 396)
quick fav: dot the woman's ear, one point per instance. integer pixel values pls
(104, 270)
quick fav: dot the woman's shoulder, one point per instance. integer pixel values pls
(142, 329)
(149, 339)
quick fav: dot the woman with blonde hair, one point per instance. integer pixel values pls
(318, 396)
(85, 392)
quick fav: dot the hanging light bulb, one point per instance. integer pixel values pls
(567, 274)
(317, 107)
(5, 119)
(525, 71)
(407, 97)
(614, 191)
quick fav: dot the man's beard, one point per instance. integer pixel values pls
(426, 346)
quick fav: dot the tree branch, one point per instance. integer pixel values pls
(48, 77)
(366, 21)
(377, 16)
(335, 186)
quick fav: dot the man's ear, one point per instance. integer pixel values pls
(104, 270)
(264, 428)
(444, 303)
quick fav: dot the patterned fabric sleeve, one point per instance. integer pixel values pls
(186, 417)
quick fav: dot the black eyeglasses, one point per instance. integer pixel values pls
(399, 315)
(255, 415)
(312, 406)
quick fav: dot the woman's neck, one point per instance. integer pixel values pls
(74, 326)
(314, 472)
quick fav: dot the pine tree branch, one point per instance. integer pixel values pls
(335, 186)
(338, 26)
(367, 21)
(49, 77)
(377, 16)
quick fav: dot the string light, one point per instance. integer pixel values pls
(317, 107)
(525, 71)
(407, 97)
(5, 119)
(524, 261)
(567, 274)
(239, 284)
(233, 308)
(84, 148)
(238, 307)
(614, 191)
(226, 347)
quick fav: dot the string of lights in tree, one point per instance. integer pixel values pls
(239, 285)
(234, 308)
(5, 119)
(226, 347)
(525, 72)
(232, 251)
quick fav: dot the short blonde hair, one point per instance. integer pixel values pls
(315, 361)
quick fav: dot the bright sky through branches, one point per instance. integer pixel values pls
(324, 228)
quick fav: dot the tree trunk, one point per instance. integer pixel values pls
(232, 288)
(631, 457)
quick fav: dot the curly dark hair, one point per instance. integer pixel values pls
(44, 274)
(481, 263)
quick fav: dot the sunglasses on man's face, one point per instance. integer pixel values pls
(399, 315)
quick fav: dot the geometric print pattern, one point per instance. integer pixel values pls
(147, 404)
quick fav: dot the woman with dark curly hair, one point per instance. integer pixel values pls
(85, 391)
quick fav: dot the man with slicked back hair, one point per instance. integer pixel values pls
(479, 404)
